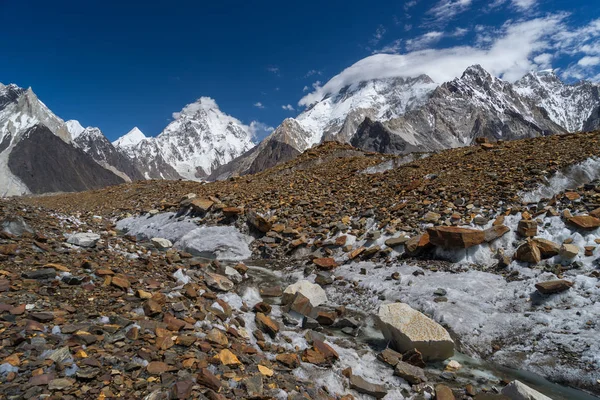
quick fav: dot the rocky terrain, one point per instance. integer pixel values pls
(292, 283)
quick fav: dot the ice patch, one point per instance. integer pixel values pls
(572, 177)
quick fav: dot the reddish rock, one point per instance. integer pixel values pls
(450, 237)
(584, 222)
(290, 360)
(208, 379)
(551, 287)
(527, 228)
(528, 252)
(327, 263)
(266, 324)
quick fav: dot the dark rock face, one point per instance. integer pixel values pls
(374, 136)
(274, 153)
(45, 163)
(592, 123)
(94, 143)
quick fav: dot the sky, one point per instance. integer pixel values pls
(120, 64)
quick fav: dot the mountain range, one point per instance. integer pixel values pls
(39, 152)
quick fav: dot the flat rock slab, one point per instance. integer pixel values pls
(84, 239)
(584, 222)
(359, 384)
(519, 391)
(407, 329)
(453, 237)
(551, 287)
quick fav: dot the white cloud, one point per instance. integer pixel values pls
(258, 104)
(391, 48)
(445, 10)
(378, 35)
(424, 40)
(509, 54)
(305, 89)
(203, 103)
(524, 5)
(273, 69)
(589, 61)
(259, 130)
(459, 32)
(288, 107)
(313, 72)
(544, 60)
(410, 4)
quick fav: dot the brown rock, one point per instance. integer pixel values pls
(328, 352)
(410, 373)
(527, 228)
(258, 221)
(551, 287)
(528, 252)
(182, 390)
(443, 392)
(157, 367)
(228, 358)
(267, 325)
(290, 360)
(201, 205)
(121, 282)
(365, 387)
(584, 222)
(418, 244)
(452, 237)
(208, 379)
(8, 249)
(327, 263)
(547, 248)
(389, 357)
(152, 308)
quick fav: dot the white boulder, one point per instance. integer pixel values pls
(161, 243)
(84, 239)
(519, 391)
(313, 292)
(407, 329)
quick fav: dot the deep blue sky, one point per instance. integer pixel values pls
(120, 64)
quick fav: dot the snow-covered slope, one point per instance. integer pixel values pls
(569, 106)
(475, 105)
(380, 99)
(130, 139)
(74, 128)
(200, 139)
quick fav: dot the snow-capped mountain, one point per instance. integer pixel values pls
(93, 142)
(335, 117)
(381, 99)
(569, 106)
(200, 139)
(37, 153)
(474, 105)
(130, 139)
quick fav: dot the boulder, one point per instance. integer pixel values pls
(495, 232)
(161, 243)
(410, 373)
(551, 287)
(569, 251)
(257, 221)
(528, 252)
(84, 239)
(547, 248)
(201, 205)
(365, 387)
(519, 391)
(407, 329)
(527, 228)
(584, 222)
(453, 237)
(218, 282)
(397, 241)
(417, 244)
(314, 293)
